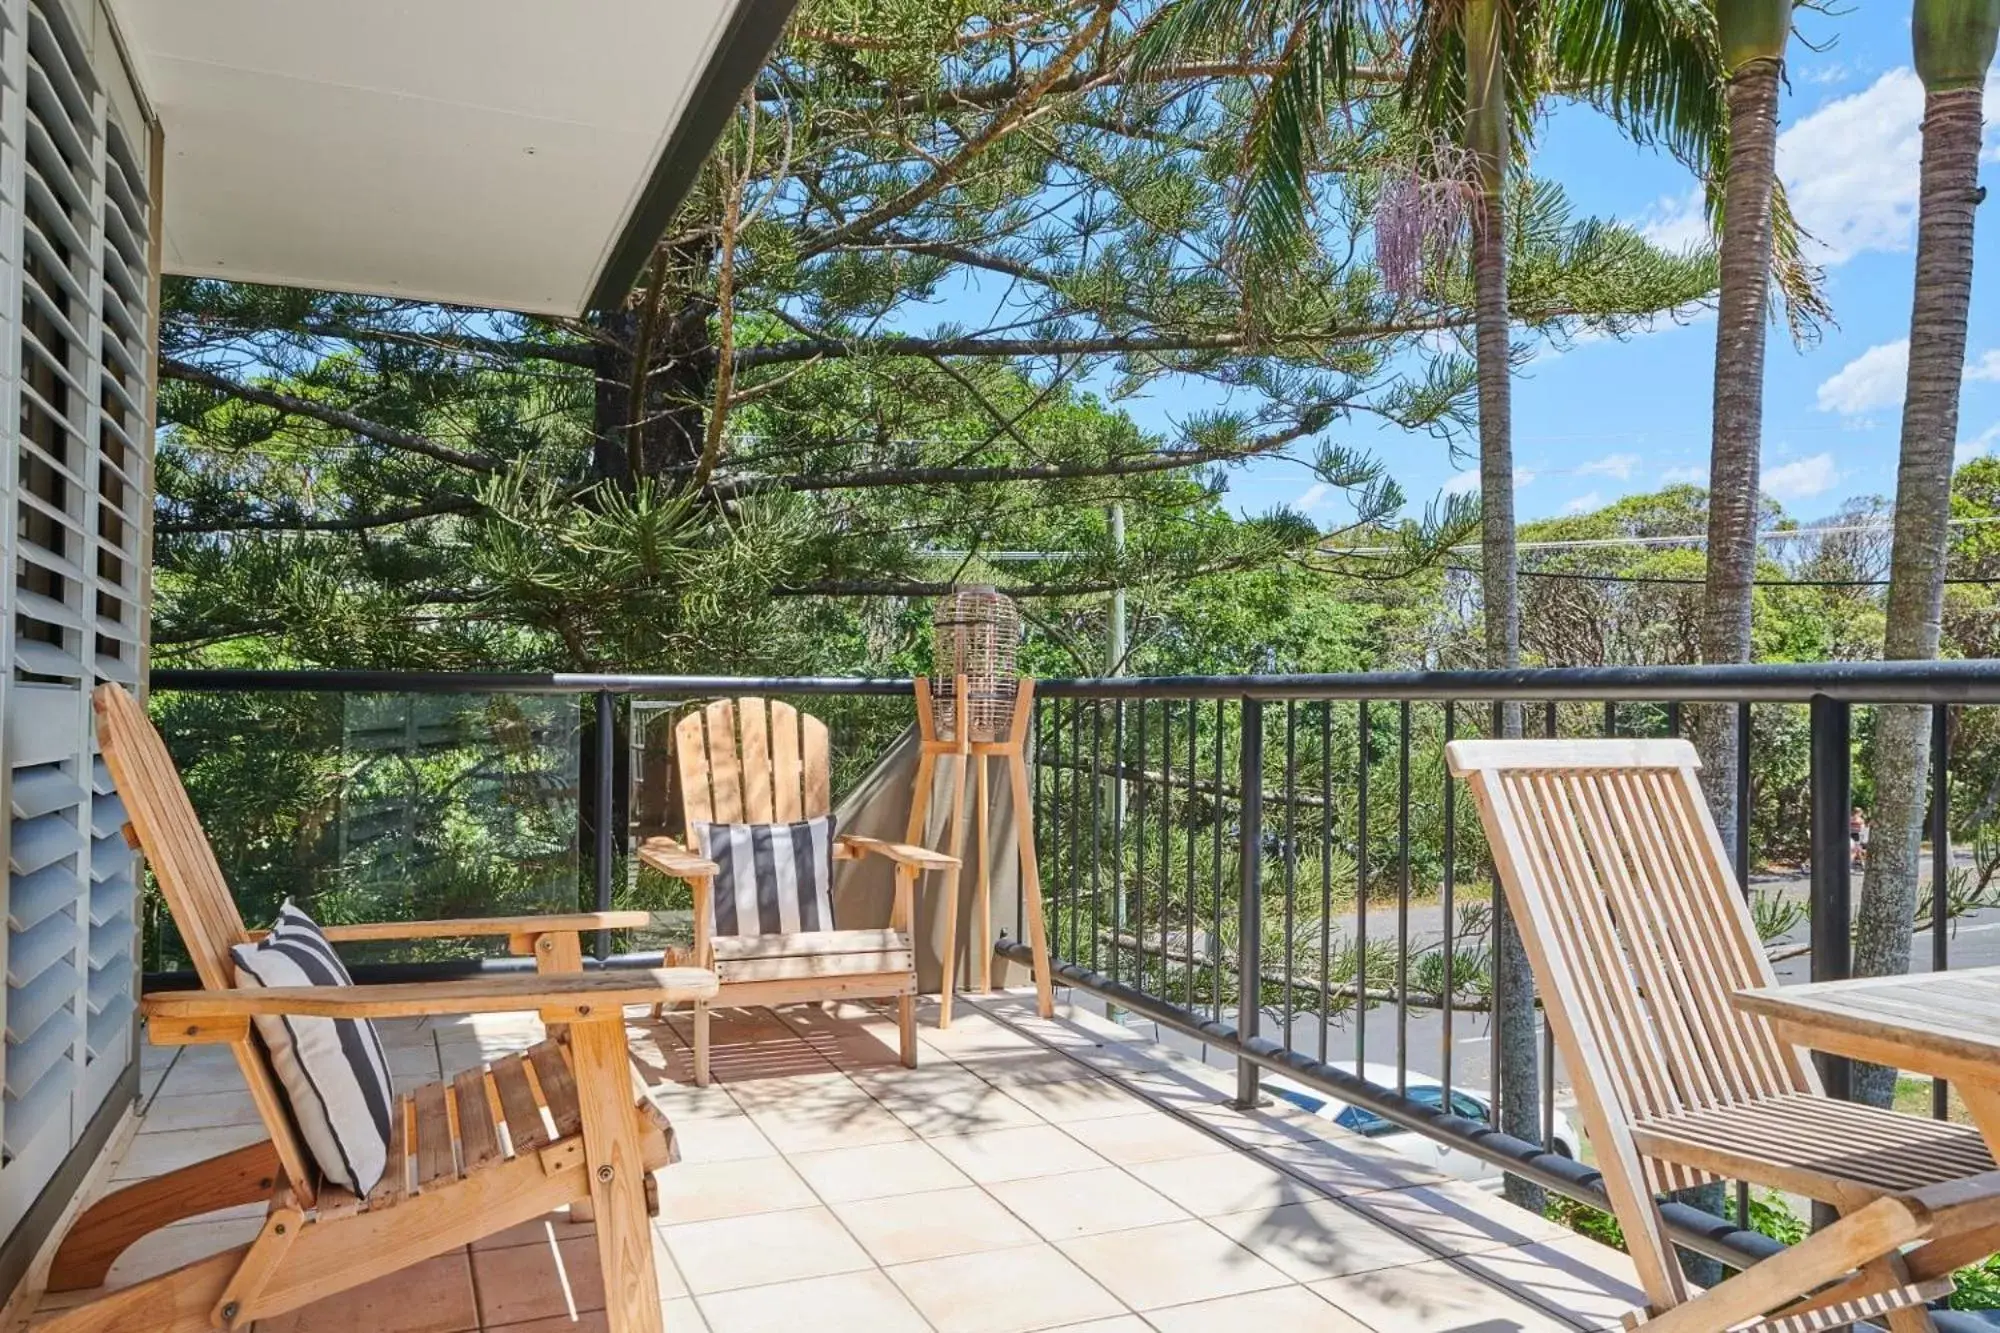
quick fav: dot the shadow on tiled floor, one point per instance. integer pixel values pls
(1030, 1175)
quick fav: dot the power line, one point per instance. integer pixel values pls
(1583, 577)
(1697, 538)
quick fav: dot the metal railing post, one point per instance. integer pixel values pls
(1250, 903)
(606, 799)
(1832, 885)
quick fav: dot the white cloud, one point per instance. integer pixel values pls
(1851, 167)
(1689, 475)
(1801, 479)
(1676, 223)
(1978, 446)
(1873, 379)
(1313, 497)
(1467, 482)
(1877, 377)
(1616, 466)
(1584, 503)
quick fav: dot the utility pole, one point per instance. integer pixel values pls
(1115, 647)
(1115, 666)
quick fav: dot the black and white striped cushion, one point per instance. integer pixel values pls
(773, 879)
(333, 1070)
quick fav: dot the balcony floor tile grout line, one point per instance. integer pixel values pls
(1458, 1261)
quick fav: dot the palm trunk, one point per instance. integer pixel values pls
(1948, 194)
(1518, 1078)
(1736, 443)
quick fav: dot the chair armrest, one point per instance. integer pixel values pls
(474, 926)
(902, 853)
(575, 994)
(670, 858)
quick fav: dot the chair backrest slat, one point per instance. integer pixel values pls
(170, 835)
(787, 765)
(1608, 853)
(753, 760)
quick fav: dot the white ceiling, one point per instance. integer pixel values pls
(486, 152)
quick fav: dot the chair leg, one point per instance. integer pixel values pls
(701, 1045)
(616, 1166)
(906, 1028)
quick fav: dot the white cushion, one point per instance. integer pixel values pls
(333, 1070)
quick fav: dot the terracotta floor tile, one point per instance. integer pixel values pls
(1170, 1265)
(523, 1282)
(861, 1302)
(547, 1230)
(1003, 1291)
(434, 1296)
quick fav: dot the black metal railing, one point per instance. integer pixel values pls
(1279, 868)
(1299, 952)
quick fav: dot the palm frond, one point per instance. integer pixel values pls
(1653, 66)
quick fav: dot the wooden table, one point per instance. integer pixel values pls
(1945, 1024)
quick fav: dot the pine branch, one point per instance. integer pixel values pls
(1026, 104)
(292, 405)
(1167, 461)
(247, 522)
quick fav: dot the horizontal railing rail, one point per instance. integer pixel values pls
(1853, 682)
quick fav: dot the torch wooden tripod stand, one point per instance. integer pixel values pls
(973, 757)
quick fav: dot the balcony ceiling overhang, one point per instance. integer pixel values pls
(514, 154)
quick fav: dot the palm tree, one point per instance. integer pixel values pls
(1954, 42)
(1476, 70)
(1752, 34)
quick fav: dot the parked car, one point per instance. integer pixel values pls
(1472, 1103)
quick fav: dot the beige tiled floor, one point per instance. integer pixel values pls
(1031, 1175)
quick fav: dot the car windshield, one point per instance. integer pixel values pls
(1370, 1125)
(1460, 1103)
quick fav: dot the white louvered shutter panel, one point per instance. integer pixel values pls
(73, 367)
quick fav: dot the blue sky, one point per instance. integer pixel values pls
(1606, 418)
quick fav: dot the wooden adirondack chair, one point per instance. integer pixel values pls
(1639, 936)
(758, 761)
(490, 1149)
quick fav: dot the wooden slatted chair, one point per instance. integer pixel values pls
(759, 761)
(1639, 936)
(489, 1149)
